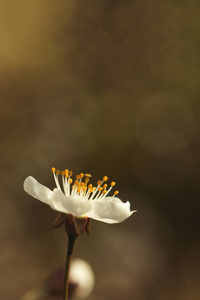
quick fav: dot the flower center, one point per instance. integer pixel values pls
(80, 186)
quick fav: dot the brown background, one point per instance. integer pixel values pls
(109, 88)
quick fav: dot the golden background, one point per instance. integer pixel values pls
(108, 88)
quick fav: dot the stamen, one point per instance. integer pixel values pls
(99, 182)
(68, 182)
(87, 178)
(115, 193)
(80, 188)
(64, 181)
(55, 174)
(93, 192)
(103, 193)
(88, 175)
(111, 185)
(99, 189)
(88, 190)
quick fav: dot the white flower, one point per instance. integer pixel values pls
(80, 199)
(82, 276)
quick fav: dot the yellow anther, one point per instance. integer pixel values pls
(80, 187)
(88, 175)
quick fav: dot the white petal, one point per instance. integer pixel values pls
(110, 210)
(75, 205)
(37, 190)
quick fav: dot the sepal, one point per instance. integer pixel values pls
(75, 226)
(60, 220)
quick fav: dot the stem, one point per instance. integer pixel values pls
(71, 242)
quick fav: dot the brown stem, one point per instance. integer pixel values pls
(71, 242)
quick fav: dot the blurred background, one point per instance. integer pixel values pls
(108, 88)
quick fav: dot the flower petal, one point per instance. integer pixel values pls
(110, 210)
(38, 191)
(76, 205)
